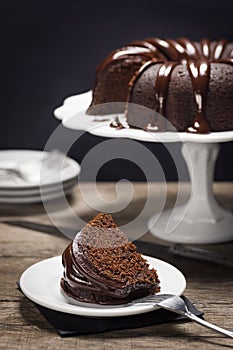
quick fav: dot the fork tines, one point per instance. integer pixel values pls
(154, 298)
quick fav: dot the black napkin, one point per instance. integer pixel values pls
(68, 325)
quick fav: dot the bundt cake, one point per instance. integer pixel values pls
(189, 83)
(102, 266)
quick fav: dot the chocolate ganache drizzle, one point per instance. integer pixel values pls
(169, 53)
(82, 283)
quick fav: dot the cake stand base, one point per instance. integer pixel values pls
(169, 227)
(202, 220)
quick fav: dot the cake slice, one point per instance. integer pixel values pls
(102, 266)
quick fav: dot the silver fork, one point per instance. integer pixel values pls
(13, 175)
(31, 170)
(176, 304)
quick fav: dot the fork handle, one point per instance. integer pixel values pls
(208, 325)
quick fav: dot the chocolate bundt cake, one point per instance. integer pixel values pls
(189, 83)
(102, 266)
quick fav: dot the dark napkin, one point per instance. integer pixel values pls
(68, 325)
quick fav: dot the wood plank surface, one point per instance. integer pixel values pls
(209, 286)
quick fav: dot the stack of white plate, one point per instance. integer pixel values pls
(42, 176)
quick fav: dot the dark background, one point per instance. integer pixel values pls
(50, 50)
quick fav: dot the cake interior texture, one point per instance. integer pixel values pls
(188, 85)
(102, 266)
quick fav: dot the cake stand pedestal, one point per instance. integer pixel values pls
(200, 221)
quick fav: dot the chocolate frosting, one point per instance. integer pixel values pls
(198, 58)
(81, 280)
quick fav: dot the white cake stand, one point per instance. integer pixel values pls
(201, 220)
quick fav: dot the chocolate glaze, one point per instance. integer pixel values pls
(81, 283)
(161, 88)
(117, 124)
(199, 72)
(197, 58)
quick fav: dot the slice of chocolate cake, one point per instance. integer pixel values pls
(102, 266)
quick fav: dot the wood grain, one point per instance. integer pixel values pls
(209, 286)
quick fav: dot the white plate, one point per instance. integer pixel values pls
(73, 116)
(35, 198)
(21, 156)
(41, 284)
(36, 191)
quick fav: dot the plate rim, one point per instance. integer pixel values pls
(89, 311)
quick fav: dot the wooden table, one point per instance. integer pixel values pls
(209, 286)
